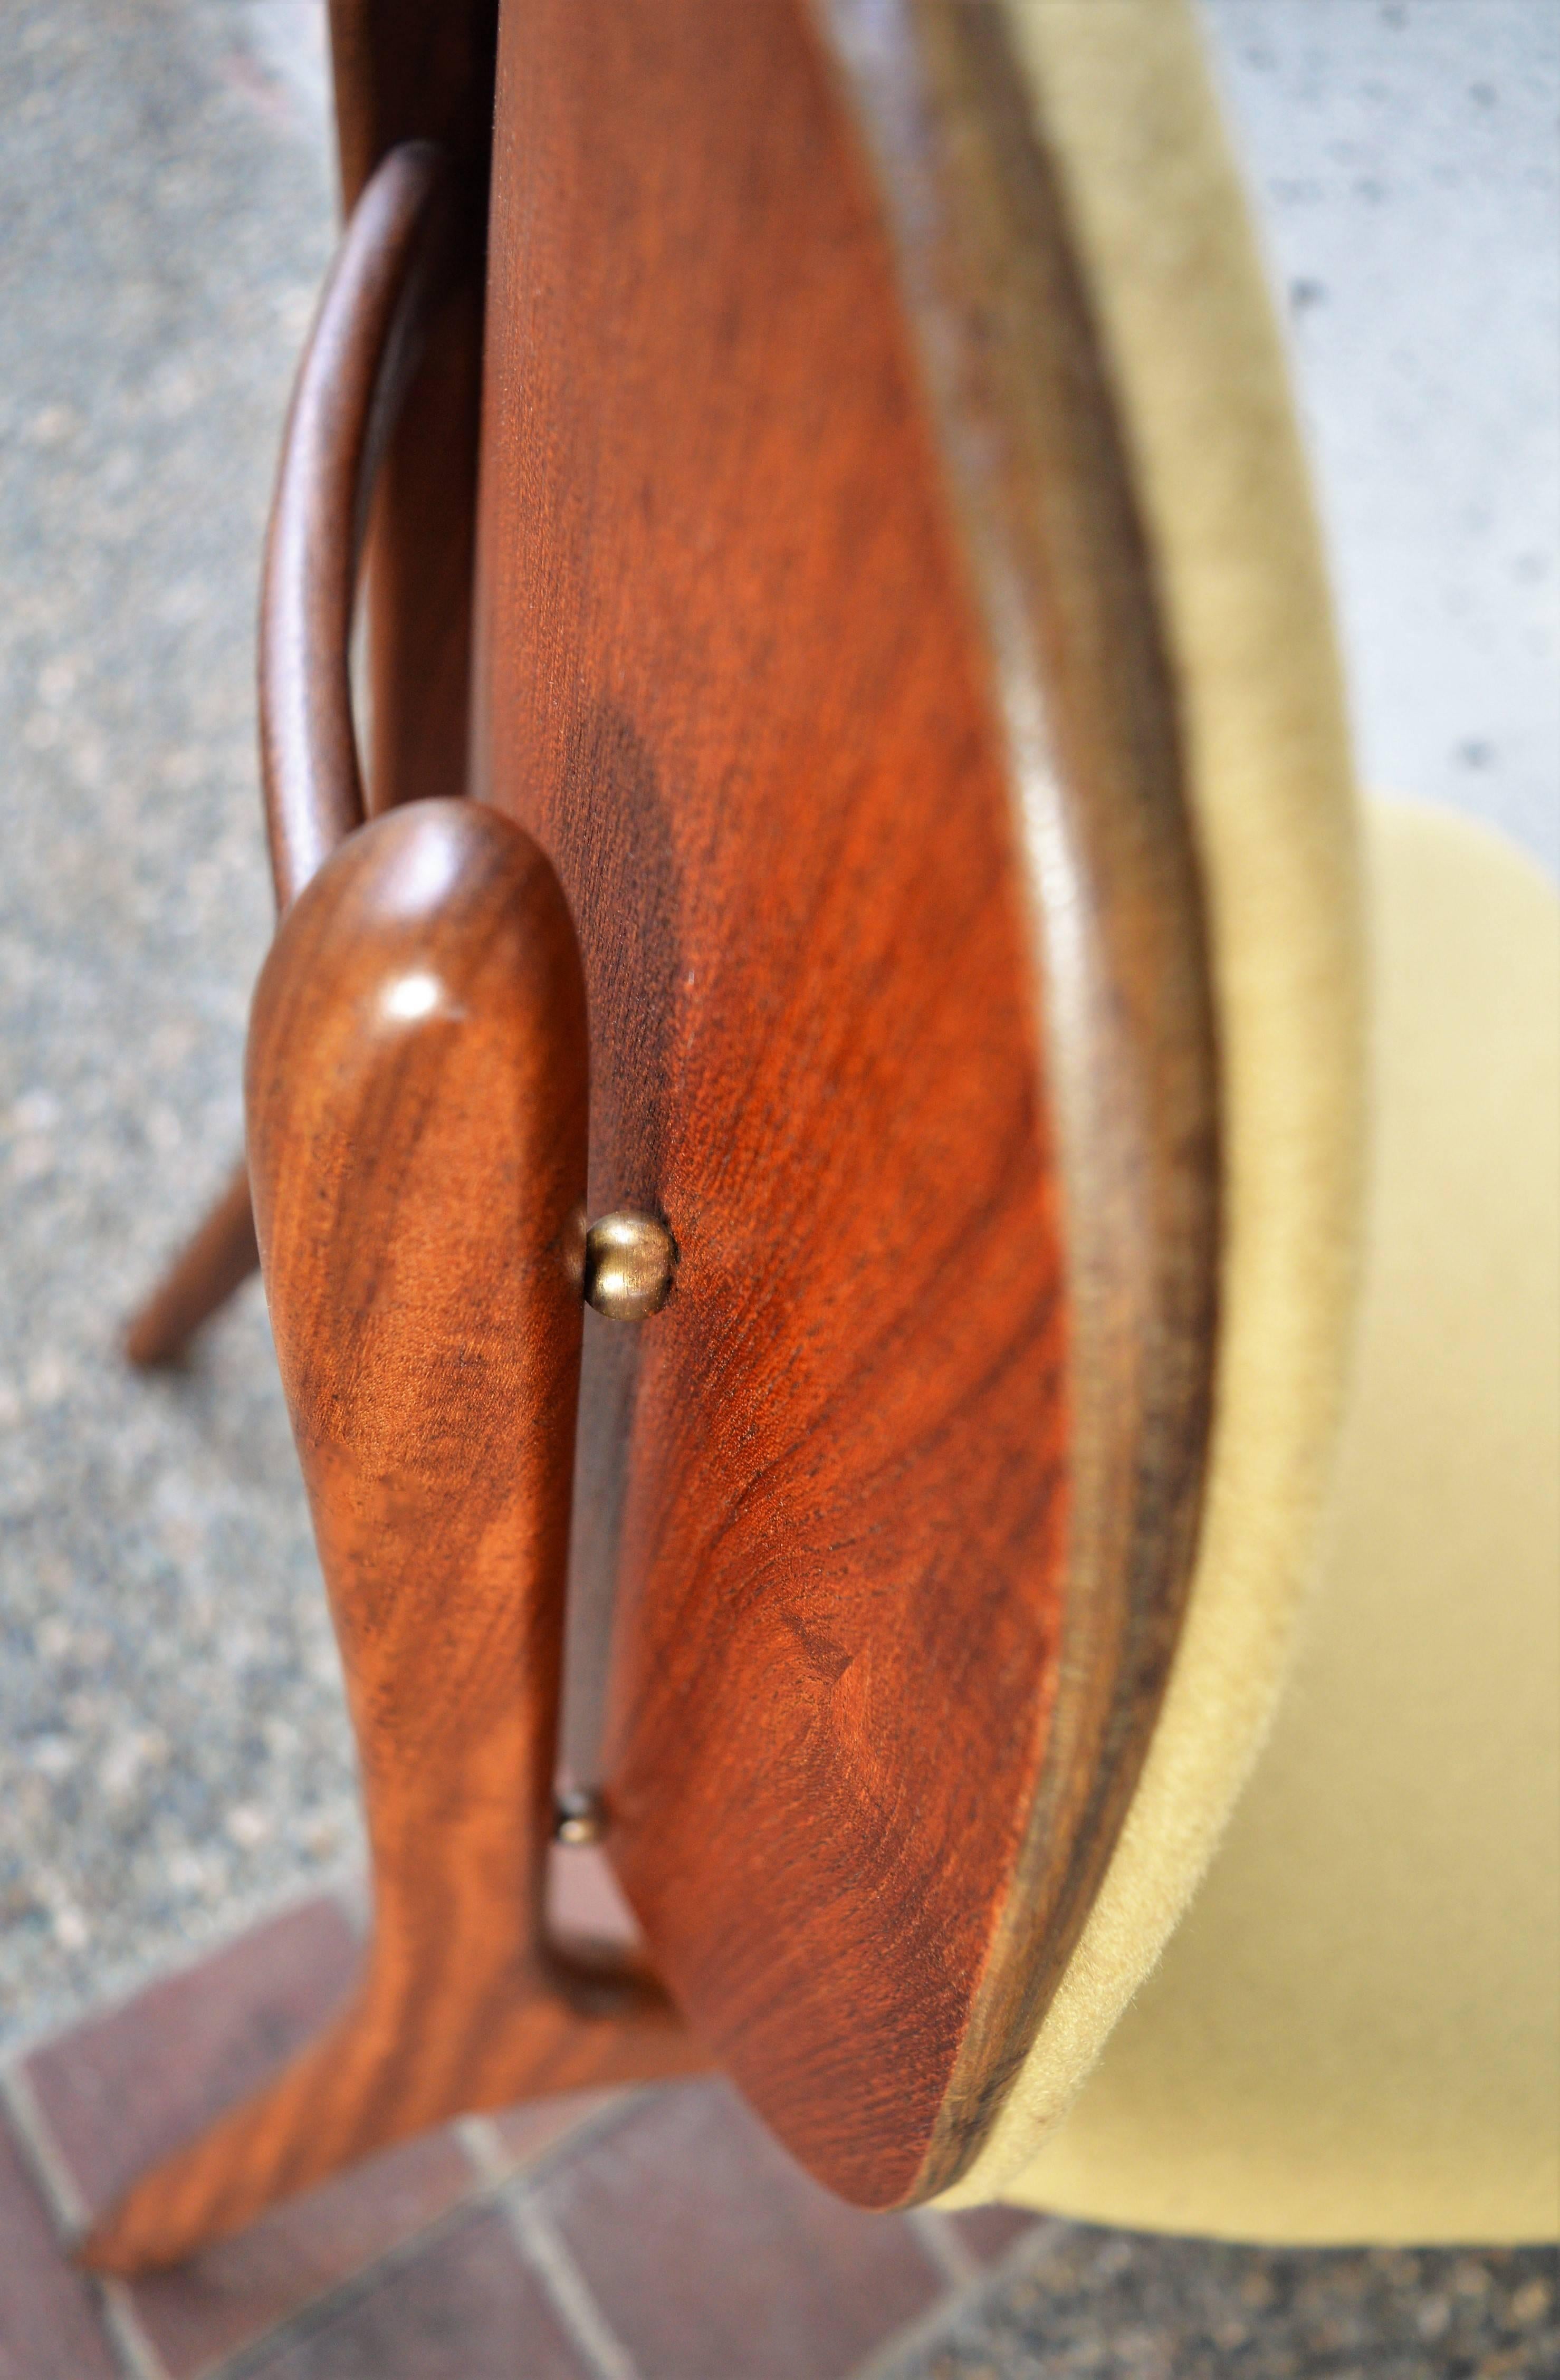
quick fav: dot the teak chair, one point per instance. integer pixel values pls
(859, 806)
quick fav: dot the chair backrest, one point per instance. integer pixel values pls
(901, 624)
(900, 660)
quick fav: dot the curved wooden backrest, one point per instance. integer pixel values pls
(817, 654)
(818, 646)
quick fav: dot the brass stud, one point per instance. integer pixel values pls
(579, 1818)
(629, 1261)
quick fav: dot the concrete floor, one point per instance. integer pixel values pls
(1403, 161)
(172, 1744)
(173, 1752)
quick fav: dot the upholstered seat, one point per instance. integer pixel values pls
(1354, 2033)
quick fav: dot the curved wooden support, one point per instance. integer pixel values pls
(820, 648)
(819, 651)
(416, 1116)
(360, 361)
(203, 1276)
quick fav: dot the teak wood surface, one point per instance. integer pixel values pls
(404, 71)
(817, 646)
(817, 649)
(416, 1090)
(417, 1109)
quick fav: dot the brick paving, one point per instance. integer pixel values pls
(652, 2234)
(635, 2235)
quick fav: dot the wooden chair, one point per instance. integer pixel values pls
(859, 807)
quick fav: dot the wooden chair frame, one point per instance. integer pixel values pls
(829, 900)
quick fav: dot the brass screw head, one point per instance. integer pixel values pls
(579, 1818)
(629, 1261)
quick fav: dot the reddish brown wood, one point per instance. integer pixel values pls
(407, 70)
(416, 1092)
(387, 284)
(417, 1089)
(819, 650)
(403, 71)
(359, 357)
(898, 1499)
(203, 1276)
(1041, 483)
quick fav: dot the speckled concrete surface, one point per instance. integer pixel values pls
(173, 1751)
(172, 1744)
(1126, 2308)
(1403, 159)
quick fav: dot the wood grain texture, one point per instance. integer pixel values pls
(406, 71)
(362, 353)
(896, 1498)
(215, 1261)
(1041, 482)
(402, 261)
(402, 71)
(416, 1116)
(818, 649)
(416, 1093)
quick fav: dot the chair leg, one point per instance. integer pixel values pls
(218, 1260)
(417, 1115)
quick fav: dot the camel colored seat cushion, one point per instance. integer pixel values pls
(1121, 100)
(1429, 2117)
(1354, 2034)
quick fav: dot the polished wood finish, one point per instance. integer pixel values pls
(417, 1086)
(1040, 475)
(818, 649)
(203, 1276)
(365, 349)
(817, 646)
(404, 71)
(416, 1093)
(361, 355)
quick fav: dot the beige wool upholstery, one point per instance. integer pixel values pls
(1121, 96)
(1355, 2034)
